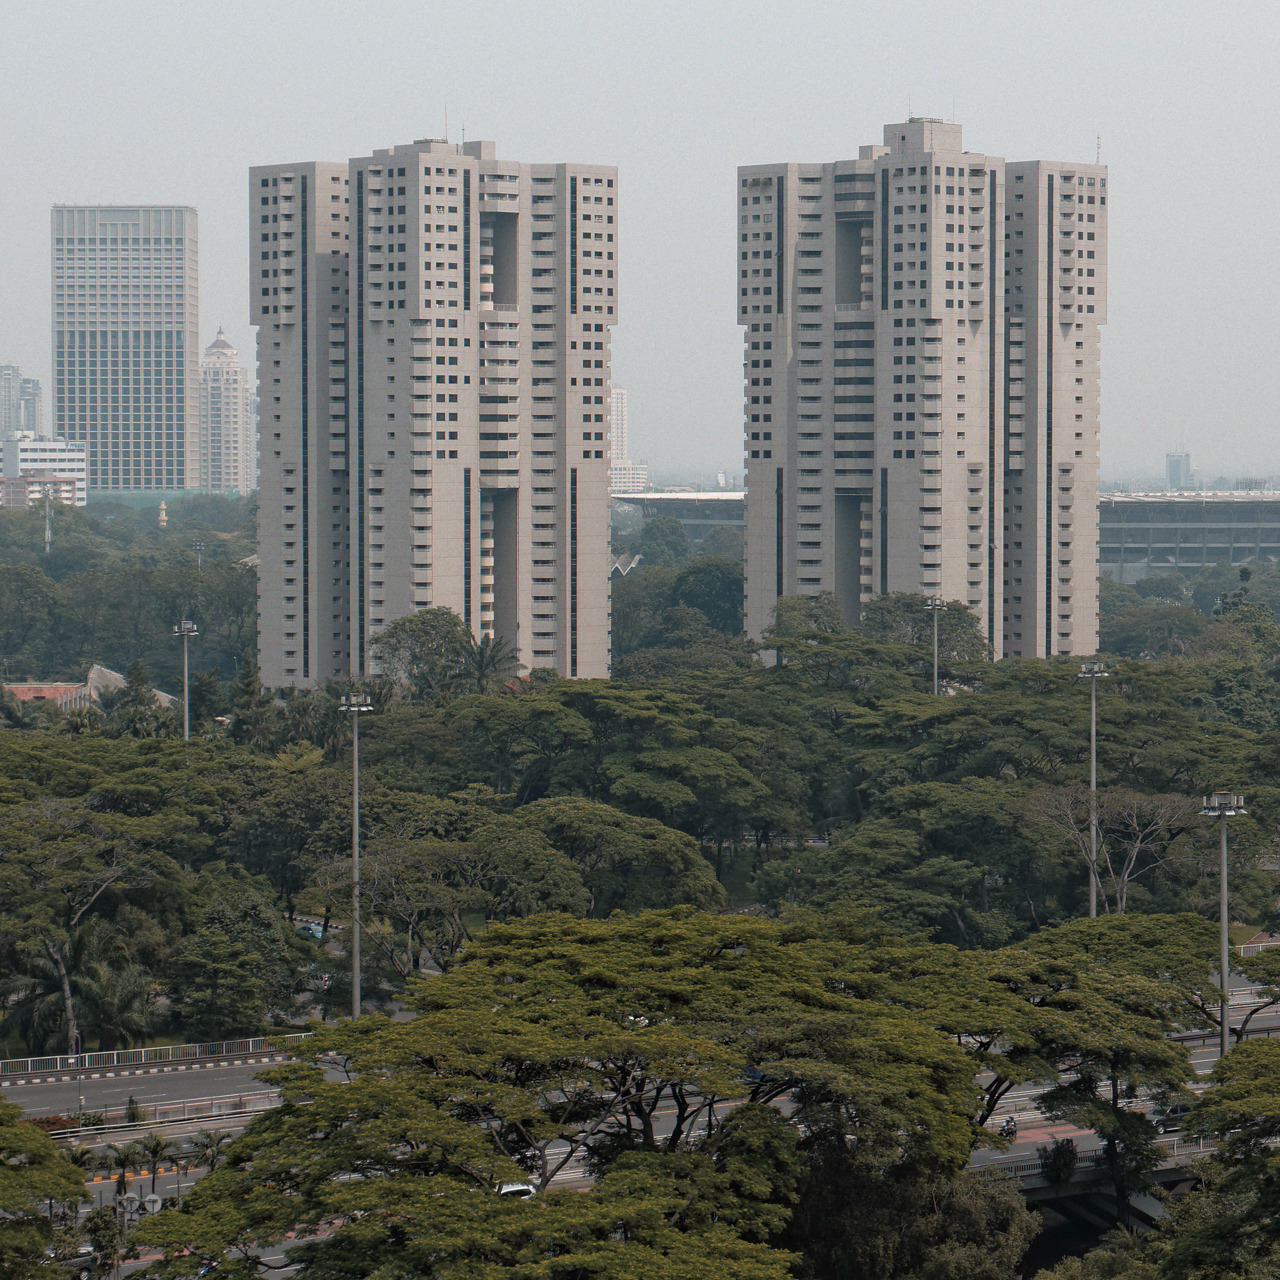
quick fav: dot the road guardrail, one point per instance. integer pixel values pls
(116, 1058)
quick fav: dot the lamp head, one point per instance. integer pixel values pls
(1222, 804)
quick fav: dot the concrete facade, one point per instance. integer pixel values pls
(921, 409)
(25, 454)
(298, 263)
(228, 435)
(434, 335)
(1141, 534)
(21, 402)
(126, 373)
(30, 490)
(625, 476)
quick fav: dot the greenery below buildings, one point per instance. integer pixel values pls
(789, 874)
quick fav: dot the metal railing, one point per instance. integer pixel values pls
(144, 1057)
(1025, 1166)
(168, 1114)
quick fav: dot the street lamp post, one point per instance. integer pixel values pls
(76, 1061)
(186, 630)
(935, 605)
(355, 703)
(1223, 805)
(1092, 671)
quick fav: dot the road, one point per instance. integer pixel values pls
(148, 1085)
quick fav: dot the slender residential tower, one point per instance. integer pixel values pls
(228, 443)
(126, 372)
(433, 343)
(921, 394)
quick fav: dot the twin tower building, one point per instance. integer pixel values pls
(921, 393)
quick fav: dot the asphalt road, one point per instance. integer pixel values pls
(150, 1086)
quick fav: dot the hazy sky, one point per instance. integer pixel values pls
(148, 102)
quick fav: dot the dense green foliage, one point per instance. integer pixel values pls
(618, 1044)
(114, 584)
(916, 867)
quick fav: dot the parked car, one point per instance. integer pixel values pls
(311, 931)
(1171, 1118)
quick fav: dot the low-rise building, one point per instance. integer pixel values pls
(26, 454)
(74, 696)
(1141, 534)
(29, 490)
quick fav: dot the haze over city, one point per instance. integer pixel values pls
(144, 104)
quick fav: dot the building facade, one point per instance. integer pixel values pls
(25, 454)
(228, 435)
(31, 490)
(1177, 472)
(1142, 534)
(921, 383)
(125, 356)
(434, 329)
(625, 476)
(21, 402)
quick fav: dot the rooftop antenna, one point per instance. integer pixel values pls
(1097, 155)
(446, 122)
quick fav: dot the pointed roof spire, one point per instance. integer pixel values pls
(220, 344)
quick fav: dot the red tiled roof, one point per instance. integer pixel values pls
(36, 692)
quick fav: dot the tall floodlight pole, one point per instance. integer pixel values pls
(355, 703)
(1223, 805)
(935, 605)
(1092, 671)
(186, 630)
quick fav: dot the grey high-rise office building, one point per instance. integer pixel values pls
(21, 402)
(921, 379)
(126, 372)
(1177, 472)
(434, 329)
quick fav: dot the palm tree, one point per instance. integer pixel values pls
(206, 1148)
(181, 1166)
(155, 1146)
(487, 663)
(110, 995)
(34, 1009)
(114, 1003)
(124, 1158)
(18, 714)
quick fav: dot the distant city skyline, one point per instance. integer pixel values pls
(1114, 83)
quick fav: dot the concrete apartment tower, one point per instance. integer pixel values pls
(625, 476)
(433, 342)
(921, 405)
(126, 373)
(228, 439)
